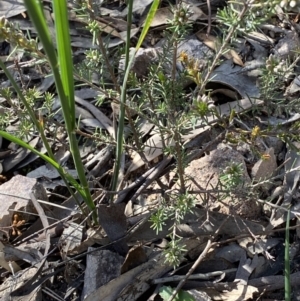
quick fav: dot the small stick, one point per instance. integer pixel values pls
(205, 276)
(209, 17)
(209, 245)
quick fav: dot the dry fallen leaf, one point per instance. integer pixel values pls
(134, 258)
(214, 43)
(231, 292)
(153, 149)
(10, 8)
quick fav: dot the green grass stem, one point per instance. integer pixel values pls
(128, 63)
(287, 272)
(62, 68)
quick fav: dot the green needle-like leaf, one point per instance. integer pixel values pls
(287, 271)
(147, 23)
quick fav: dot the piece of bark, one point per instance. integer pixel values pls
(124, 284)
(102, 266)
(15, 196)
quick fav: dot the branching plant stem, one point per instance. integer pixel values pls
(221, 50)
(210, 244)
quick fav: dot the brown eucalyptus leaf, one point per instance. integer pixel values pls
(105, 121)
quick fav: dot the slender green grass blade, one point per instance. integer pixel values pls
(65, 55)
(148, 22)
(29, 147)
(67, 99)
(37, 17)
(45, 158)
(128, 63)
(120, 132)
(287, 272)
(62, 68)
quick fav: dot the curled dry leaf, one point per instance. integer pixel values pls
(153, 149)
(213, 43)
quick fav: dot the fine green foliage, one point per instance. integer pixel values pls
(158, 219)
(166, 292)
(175, 209)
(256, 12)
(238, 18)
(231, 177)
(287, 272)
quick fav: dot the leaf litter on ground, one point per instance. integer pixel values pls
(194, 229)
